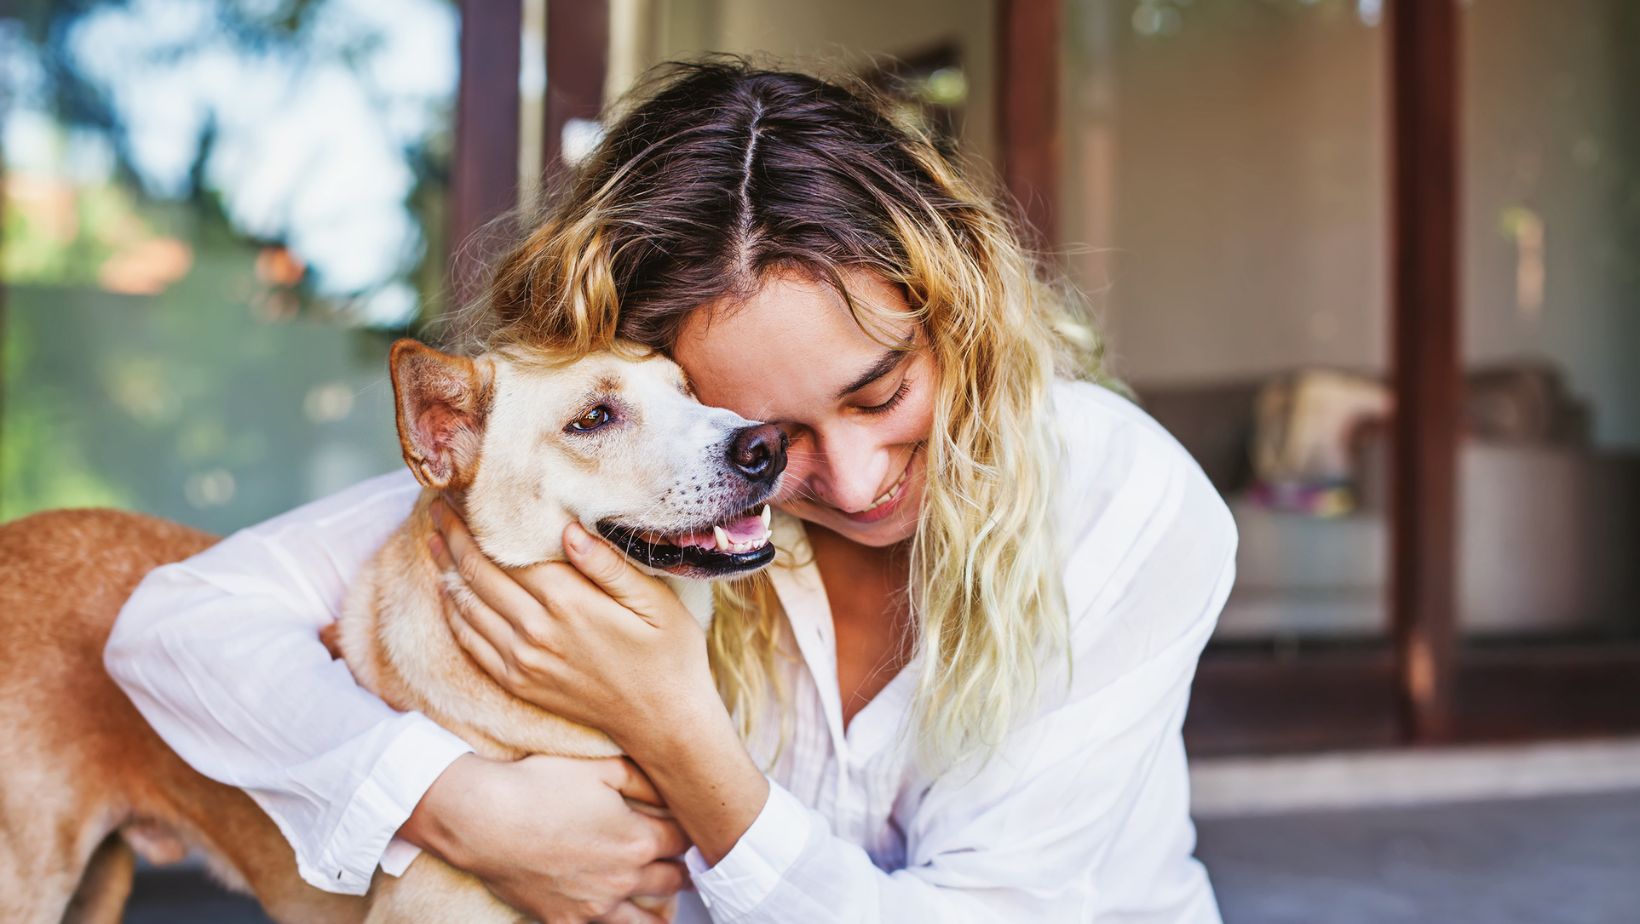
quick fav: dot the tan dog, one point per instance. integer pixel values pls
(522, 445)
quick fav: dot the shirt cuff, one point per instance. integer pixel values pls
(402, 775)
(748, 874)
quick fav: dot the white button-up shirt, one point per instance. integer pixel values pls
(1081, 815)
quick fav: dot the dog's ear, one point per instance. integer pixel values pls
(442, 401)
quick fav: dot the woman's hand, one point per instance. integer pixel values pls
(601, 643)
(554, 837)
(594, 640)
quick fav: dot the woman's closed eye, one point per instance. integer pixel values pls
(893, 400)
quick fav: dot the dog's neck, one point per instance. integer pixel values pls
(696, 597)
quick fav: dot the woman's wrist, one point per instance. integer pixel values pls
(429, 825)
(665, 716)
(706, 777)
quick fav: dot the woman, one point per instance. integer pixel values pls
(957, 698)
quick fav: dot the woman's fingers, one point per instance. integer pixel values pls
(661, 878)
(483, 634)
(631, 782)
(670, 841)
(628, 913)
(453, 548)
(610, 570)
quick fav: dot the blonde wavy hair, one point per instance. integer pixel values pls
(714, 173)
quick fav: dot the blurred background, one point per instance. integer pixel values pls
(1376, 263)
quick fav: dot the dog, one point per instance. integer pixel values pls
(521, 443)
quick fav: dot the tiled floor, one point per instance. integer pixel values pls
(1563, 860)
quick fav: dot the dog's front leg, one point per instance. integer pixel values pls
(433, 891)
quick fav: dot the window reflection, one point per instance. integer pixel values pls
(1226, 188)
(1549, 462)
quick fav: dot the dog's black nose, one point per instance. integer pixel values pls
(758, 452)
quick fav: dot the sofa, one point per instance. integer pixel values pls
(1548, 523)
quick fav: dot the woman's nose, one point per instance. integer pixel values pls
(845, 475)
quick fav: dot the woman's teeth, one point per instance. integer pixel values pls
(724, 544)
(892, 490)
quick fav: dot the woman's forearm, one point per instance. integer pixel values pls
(221, 654)
(699, 766)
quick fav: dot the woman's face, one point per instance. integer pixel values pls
(858, 413)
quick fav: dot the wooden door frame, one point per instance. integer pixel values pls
(484, 170)
(484, 176)
(1426, 359)
(1029, 133)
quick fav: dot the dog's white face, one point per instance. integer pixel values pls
(617, 444)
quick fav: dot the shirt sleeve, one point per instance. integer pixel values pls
(221, 654)
(1083, 813)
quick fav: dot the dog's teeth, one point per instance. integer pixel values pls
(721, 537)
(766, 515)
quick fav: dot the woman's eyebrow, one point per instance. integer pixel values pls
(883, 366)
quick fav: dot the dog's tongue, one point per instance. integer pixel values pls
(739, 529)
(744, 529)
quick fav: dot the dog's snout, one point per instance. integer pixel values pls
(758, 452)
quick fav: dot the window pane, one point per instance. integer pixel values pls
(217, 215)
(1549, 464)
(1226, 202)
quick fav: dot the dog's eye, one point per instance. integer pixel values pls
(592, 419)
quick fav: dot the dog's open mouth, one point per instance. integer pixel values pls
(740, 543)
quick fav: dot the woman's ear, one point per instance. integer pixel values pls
(442, 401)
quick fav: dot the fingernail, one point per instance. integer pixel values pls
(576, 537)
(435, 544)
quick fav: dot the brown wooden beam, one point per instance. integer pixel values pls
(1539, 690)
(1424, 247)
(577, 65)
(1029, 132)
(1261, 703)
(484, 177)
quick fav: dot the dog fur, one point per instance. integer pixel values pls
(88, 783)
